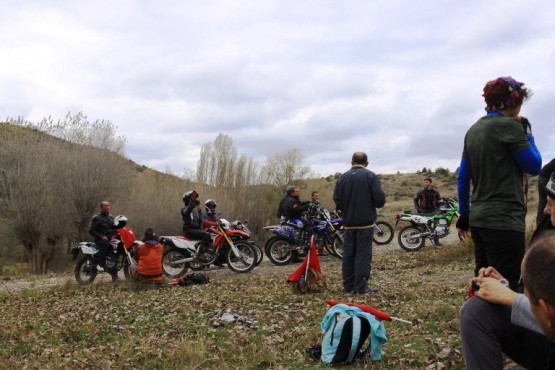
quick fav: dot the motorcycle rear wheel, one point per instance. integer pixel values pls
(383, 233)
(246, 262)
(171, 270)
(408, 241)
(85, 270)
(279, 250)
(338, 246)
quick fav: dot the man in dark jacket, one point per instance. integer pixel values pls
(426, 199)
(357, 194)
(102, 228)
(293, 207)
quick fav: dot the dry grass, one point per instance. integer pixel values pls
(121, 326)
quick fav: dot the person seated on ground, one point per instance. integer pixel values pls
(498, 320)
(149, 259)
(192, 222)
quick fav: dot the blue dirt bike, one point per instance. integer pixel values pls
(292, 238)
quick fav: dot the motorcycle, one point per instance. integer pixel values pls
(182, 253)
(427, 225)
(119, 255)
(292, 238)
(242, 226)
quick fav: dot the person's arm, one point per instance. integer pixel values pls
(522, 315)
(378, 196)
(529, 159)
(187, 210)
(94, 225)
(463, 191)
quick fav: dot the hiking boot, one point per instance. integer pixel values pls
(99, 268)
(370, 289)
(437, 243)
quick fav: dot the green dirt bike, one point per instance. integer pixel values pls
(426, 225)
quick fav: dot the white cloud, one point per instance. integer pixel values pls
(399, 79)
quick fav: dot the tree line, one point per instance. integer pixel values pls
(54, 174)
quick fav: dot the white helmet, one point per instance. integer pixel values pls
(120, 221)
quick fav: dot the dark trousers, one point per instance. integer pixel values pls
(197, 234)
(502, 249)
(486, 332)
(104, 247)
(357, 259)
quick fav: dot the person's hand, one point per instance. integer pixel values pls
(490, 272)
(525, 124)
(463, 226)
(104, 238)
(493, 291)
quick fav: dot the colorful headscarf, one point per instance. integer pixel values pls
(503, 92)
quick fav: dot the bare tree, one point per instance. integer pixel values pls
(286, 167)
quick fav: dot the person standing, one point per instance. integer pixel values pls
(192, 222)
(426, 201)
(498, 149)
(357, 194)
(102, 228)
(427, 198)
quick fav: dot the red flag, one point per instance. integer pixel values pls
(310, 262)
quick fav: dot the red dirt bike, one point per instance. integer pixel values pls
(118, 257)
(182, 253)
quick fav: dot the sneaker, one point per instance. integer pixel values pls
(99, 268)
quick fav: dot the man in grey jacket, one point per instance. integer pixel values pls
(498, 320)
(357, 194)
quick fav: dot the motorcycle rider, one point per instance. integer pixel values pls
(102, 228)
(210, 217)
(426, 201)
(192, 221)
(282, 202)
(293, 208)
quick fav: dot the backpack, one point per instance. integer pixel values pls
(346, 329)
(193, 279)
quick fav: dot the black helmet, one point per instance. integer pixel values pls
(551, 186)
(188, 195)
(290, 189)
(210, 205)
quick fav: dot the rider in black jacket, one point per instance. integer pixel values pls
(192, 221)
(102, 228)
(293, 207)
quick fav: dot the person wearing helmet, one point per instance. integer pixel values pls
(102, 227)
(293, 207)
(210, 208)
(283, 202)
(192, 221)
(498, 150)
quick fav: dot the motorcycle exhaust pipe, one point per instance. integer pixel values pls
(183, 260)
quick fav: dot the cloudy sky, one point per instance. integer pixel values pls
(401, 80)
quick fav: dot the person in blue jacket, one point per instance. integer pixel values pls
(498, 150)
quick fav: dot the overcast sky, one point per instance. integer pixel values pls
(400, 80)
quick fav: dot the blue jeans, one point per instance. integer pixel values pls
(357, 259)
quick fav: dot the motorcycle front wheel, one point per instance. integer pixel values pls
(85, 270)
(245, 262)
(410, 239)
(279, 250)
(169, 267)
(383, 233)
(259, 253)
